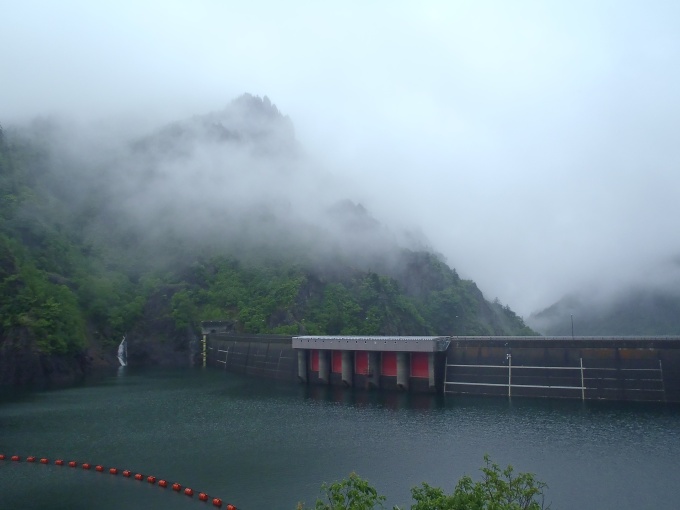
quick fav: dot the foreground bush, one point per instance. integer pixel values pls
(499, 489)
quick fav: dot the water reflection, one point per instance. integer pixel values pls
(393, 400)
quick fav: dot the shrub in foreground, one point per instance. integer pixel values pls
(499, 489)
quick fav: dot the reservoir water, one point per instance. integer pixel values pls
(267, 445)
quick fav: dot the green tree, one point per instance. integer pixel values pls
(499, 489)
(352, 493)
(183, 309)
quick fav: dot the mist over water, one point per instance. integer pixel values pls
(261, 445)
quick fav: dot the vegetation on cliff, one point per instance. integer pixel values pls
(141, 240)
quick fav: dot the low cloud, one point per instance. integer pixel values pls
(533, 144)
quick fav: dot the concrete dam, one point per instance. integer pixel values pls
(586, 368)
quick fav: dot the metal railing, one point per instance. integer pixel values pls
(656, 376)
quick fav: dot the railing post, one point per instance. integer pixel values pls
(583, 386)
(663, 385)
(509, 375)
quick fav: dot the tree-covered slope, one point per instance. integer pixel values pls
(219, 217)
(640, 310)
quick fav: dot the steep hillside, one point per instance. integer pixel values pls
(636, 311)
(217, 217)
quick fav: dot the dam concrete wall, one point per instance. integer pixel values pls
(267, 356)
(586, 368)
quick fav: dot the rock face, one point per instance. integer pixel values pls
(160, 352)
(154, 341)
(21, 364)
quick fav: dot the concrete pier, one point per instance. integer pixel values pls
(378, 361)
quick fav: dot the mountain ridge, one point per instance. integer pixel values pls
(636, 310)
(234, 225)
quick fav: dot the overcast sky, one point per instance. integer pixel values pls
(536, 144)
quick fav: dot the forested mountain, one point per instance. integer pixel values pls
(218, 217)
(638, 310)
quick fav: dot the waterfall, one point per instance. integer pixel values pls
(122, 353)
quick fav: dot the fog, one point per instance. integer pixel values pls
(533, 144)
(233, 182)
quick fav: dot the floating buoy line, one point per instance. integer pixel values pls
(202, 496)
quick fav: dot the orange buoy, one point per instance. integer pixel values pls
(42, 461)
(2, 456)
(231, 507)
(151, 479)
(85, 465)
(162, 483)
(127, 473)
(99, 468)
(176, 487)
(72, 463)
(139, 476)
(16, 458)
(202, 496)
(59, 462)
(189, 492)
(217, 502)
(30, 459)
(113, 471)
